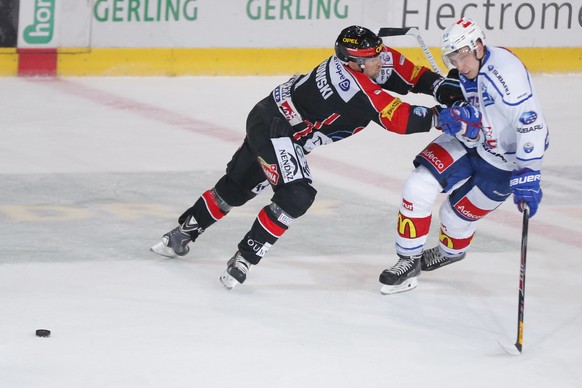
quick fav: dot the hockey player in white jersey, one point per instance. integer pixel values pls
(492, 147)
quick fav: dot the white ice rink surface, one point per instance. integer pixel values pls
(94, 170)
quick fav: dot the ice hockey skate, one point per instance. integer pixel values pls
(433, 258)
(173, 244)
(401, 276)
(236, 271)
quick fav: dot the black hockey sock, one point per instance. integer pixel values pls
(265, 232)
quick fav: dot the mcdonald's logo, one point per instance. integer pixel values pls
(445, 240)
(404, 225)
(455, 243)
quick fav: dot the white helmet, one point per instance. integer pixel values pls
(460, 34)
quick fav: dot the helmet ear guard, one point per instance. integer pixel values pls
(356, 44)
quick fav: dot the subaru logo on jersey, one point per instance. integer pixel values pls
(345, 85)
(528, 117)
(528, 147)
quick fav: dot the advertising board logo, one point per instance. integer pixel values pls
(42, 29)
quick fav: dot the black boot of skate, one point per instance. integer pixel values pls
(433, 258)
(175, 242)
(401, 276)
(236, 271)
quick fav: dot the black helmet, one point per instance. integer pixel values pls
(357, 43)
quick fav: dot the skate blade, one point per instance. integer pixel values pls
(163, 250)
(228, 281)
(408, 285)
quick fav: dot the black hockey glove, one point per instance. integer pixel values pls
(448, 90)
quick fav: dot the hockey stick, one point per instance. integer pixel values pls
(395, 31)
(517, 348)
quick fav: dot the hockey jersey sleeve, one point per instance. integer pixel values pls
(391, 112)
(400, 75)
(532, 133)
(517, 100)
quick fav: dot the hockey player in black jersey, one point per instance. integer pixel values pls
(337, 99)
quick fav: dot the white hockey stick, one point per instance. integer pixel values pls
(395, 31)
(517, 347)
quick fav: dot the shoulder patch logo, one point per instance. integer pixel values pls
(528, 117)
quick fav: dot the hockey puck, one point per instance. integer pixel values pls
(43, 333)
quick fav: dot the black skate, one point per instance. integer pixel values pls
(433, 258)
(175, 242)
(236, 271)
(401, 276)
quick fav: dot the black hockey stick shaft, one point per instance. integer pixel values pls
(393, 31)
(521, 300)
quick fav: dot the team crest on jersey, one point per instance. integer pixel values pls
(528, 147)
(528, 117)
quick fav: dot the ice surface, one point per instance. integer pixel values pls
(94, 170)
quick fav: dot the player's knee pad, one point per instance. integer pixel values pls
(295, 198)
(419, 193)
(232, 193)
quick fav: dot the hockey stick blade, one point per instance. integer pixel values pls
(510, 349)
(394, 31)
